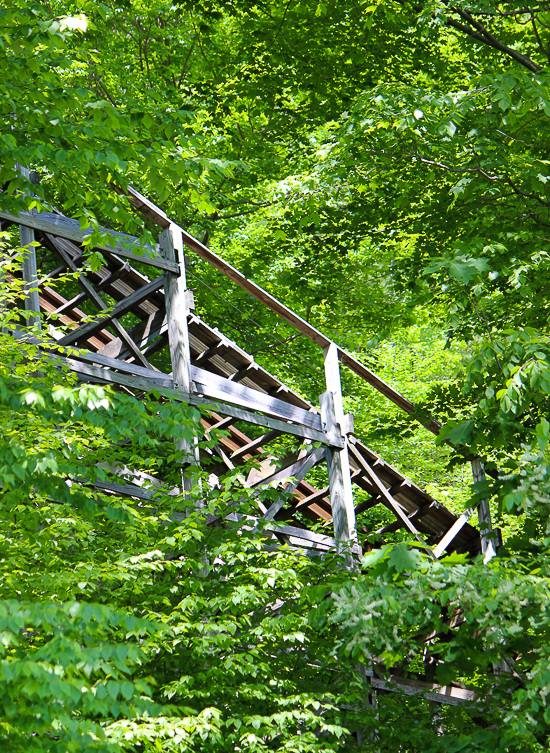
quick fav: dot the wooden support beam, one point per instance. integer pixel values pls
(171, 248)
(55, 244)
(298, 472)
(30, 274)
(225, 423)
(66, 227)
(413, 517)
(446, 694)
(244, 372)
(392, 503)
(209, 352)
(122, 307)
(71, 304)
(254, 445)
(114, 276)
(142, 334)
(332, 414)
(217, 387)
(317, 539)
(451, 533)
(484, 515)
(156, 380)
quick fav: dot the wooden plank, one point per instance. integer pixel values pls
(484, 515)
(30, 274)
(124, 490)
(254, 445)
(446, 694)
(66, 227)
(113, 363)
(301, 533)
(413, 517)
(395, 506)
(154, 326)
(286, 472)
(176, 311)
(175, 286)
(451, 533)
(225, 423)
(119, 309)
(158, 382)
(213, 386)
(312, 498)
(55, 244)
(297, 471)
(143, 205)
(343, 518)
(338, 463)
(71, 304)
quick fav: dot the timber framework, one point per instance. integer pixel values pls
(211, 371)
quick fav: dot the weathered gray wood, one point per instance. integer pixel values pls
(251, 446)
(446, 694)
(30, 274)
(297, 471)
(213, 350)
(225, 423)
(157, 377)
(246, 371)
(158, 381)
(142, 334)
(451, 533)
(124, 490)
(171, 248)
(393, 504)
(301, 533)
(313, 498)
(413, 516)
(332, 411)
(71, 304)
(214, 386)
(118, 310)
(176, 311)
(484, 515)
(55, 244)
(66, 227)
(144, 206)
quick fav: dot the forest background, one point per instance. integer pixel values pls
(383, 169)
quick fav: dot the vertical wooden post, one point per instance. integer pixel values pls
(30, 273)
(171, 247)
(332, 412)
(484, 515)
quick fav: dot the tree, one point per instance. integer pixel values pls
(389, 160)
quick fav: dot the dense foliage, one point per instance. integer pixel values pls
(383, 169)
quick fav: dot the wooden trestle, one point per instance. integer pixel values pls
(208, 369)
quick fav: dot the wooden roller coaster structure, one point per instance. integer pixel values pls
(210, 370)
